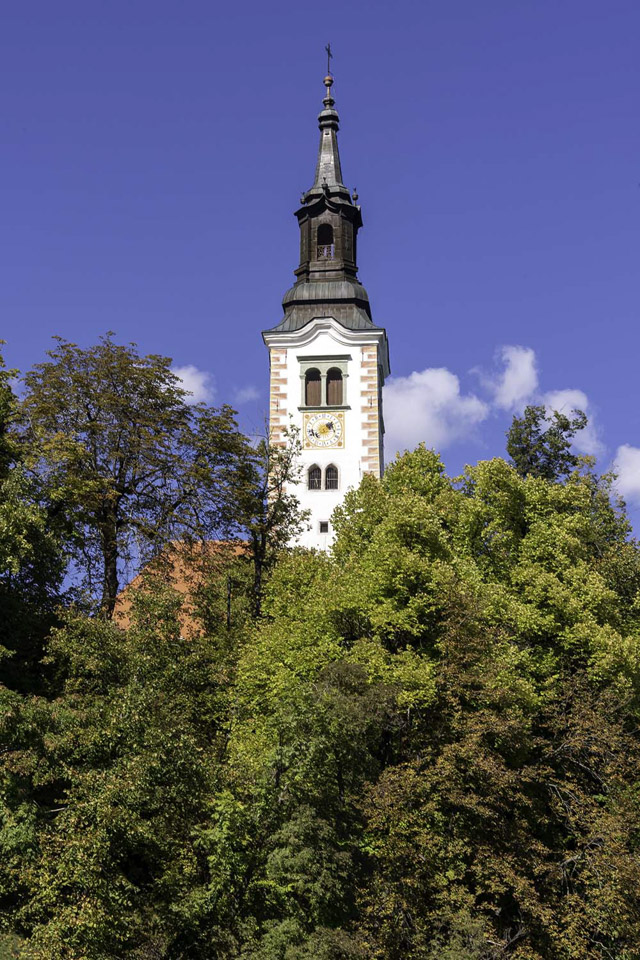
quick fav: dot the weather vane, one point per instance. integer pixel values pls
(329, 57)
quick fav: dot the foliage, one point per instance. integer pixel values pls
(476, 756)
(539, 452)
(263, 504)
(426, 746)
(113, 775)
(125, 460)
(7, 405)
(111, 744)
(13, 948)
(31, 561)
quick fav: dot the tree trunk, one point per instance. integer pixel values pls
(110, 564)
(259, 555)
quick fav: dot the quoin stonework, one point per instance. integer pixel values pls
(328, 360)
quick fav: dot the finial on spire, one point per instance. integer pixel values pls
(328, 178)
(328, 99)
(328, 80)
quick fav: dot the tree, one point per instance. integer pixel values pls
(114, 775)
(263, 504)
(426, 747)
(31, 569)
(539, 452)
(7, 405)
(455, 693)
(31, 558)
(125, 461)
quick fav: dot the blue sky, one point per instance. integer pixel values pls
(153, 155)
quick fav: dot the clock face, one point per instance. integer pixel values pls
(323, 430)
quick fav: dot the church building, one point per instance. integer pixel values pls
(328, 360)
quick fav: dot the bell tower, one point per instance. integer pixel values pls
(328, 360)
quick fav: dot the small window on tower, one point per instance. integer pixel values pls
(312, 388)
(334, 387)
(324, 526)
(314, 478)
(331, 478)
(326, 246)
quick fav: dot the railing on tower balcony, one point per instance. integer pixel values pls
(325, 242)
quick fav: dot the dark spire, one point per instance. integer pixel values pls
(329, 218)
(328, 178)
(328, 168)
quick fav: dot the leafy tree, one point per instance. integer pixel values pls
(31, 562)
(111, 770)
(426, 747)
(7, 404)
(263, 505)
(541, 447)
(14, 948)
(483, 766)
(31, 568)
(116, 773)
(126, 461)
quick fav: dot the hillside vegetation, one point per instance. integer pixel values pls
(424, 745)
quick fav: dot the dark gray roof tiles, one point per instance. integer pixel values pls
(321, 291)
(350, 315)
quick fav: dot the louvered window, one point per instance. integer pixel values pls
(334, 387)
(312, 388)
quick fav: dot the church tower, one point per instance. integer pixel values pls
(328, 360)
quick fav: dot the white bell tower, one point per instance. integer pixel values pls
(328, 361)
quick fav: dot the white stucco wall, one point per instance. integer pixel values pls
(324, 337)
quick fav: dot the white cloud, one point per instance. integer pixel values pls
(246, 395)
(517, 385)
(428, 406)
(566, 401)
(198, 382)
(627, 466)
(519, 379)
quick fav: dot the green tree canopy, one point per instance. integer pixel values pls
(31, 557)
(125, 460)
(104, 784)
(425, 747)
(443, 714)
(539, 444)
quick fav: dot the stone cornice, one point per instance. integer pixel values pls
(295, 340)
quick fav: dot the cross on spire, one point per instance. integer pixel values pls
(329, 57)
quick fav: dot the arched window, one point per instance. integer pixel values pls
(326, 247)
(334, 387)
(331, 478)
(312, 388)
(314, 478)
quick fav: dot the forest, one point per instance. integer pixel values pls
(423, 744)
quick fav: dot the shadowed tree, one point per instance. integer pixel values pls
(31, 561)
(540, 446)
